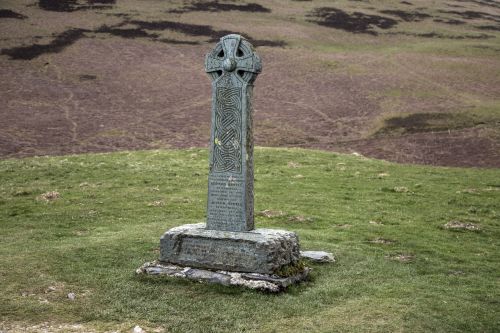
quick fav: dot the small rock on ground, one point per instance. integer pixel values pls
(317, 256)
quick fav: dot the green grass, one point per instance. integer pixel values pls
(114, 207)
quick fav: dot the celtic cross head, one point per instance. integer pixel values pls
(233, 56)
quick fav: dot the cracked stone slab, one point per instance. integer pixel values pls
(263, 251)
(317, 256)
(264, 282)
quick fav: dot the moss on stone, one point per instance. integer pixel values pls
(291, 269)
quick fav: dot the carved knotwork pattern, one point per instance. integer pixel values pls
(236, 48)
(227, 130)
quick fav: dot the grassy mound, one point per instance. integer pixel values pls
(83, 224)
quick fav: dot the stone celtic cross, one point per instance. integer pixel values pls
(228, 241)
(233, 67)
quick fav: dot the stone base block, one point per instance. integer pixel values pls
(263, 251)
(264, 282)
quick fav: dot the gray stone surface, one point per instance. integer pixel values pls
(265, 282)
(228, 241)
(317, 256)
(233, 66)
(259, 251)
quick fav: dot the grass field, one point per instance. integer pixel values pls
(398, 269)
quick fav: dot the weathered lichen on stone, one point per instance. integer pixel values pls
(264, 251)
(233, 66)
(264, 282)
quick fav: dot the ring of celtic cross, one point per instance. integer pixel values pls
(233, 56)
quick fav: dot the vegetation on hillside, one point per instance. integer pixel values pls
(416, 247)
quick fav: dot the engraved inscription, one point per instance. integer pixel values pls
(226, 209)
(227, 131)
(214, 251)
(233, 67)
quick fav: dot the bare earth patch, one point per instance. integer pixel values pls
(457, 225)
(403, 258)
(400, 189)
(380, 240)
(270, 213)
(300, 218)
(50, 196)
(53, 327)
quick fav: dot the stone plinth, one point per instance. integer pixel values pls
(263, 251)
(264, 282)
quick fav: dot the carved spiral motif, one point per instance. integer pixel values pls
(228, 123)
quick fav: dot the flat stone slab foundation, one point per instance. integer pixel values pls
(264, 282)
(263, 251)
